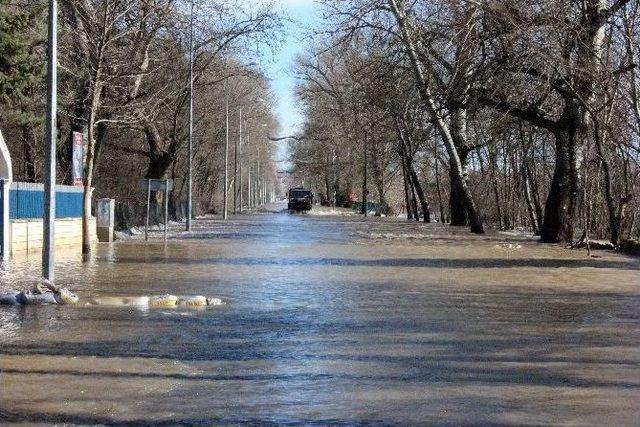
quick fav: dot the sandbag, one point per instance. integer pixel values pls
(192, 301)
(30, 298)
(62, 296)
(120, 301)
(214, 301)
(65, 296)
(163, 301)
(9, 298)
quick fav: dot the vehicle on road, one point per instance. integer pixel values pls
(300, 199)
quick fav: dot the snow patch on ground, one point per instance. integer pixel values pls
(396, 235)
(325, 211)
(520, 232)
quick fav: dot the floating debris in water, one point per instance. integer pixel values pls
(59, 296)
(158, 301)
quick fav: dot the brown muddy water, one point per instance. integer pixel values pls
(330, 321)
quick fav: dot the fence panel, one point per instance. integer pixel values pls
(26, 200)
(131, 214)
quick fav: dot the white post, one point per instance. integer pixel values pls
(49, 216)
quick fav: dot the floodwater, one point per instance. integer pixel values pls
(330, 320)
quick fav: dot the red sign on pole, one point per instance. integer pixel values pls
(77, 168)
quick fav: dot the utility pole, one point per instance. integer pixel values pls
(240, 160)
(49, 216)
(225, 214)
(250, 197)
(190, 161)
(235, 172)
(257, 195)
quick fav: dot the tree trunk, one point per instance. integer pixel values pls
(412, 195)
(101, 139)
(327, 189)
(616, 214)
(496, 191)
(378, 178)
(88, 172)
(424, 204)
(458, 212)
(437, 170)
(560, 207)
(28, 142)
(531, 209)
(365, 191)
(405, 180)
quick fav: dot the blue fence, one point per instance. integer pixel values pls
(26, 200)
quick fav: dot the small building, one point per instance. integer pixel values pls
(21, 212)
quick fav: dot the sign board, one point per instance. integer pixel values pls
(156, 184)
(77, 167)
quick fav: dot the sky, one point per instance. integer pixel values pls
(305, 15)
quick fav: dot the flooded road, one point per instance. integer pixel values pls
(330, 320)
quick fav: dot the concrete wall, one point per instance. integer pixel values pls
(26, 234)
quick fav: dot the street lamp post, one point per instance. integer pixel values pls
(249, 196)
(225, 214)
(190, 161)
(240, 160)
(235, 171)
(48, 255)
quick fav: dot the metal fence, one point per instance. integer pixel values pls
(26, 200)
(129, 214)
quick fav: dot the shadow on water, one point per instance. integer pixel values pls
(39, 417)
(440, 371)
(393, 262)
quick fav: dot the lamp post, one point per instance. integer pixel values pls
(225, 214)
(240, 161)
(235, 170)
(190, 161)
(249, 196)
(48, 255)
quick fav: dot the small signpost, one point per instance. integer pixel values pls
(77, 168)
(157, 185)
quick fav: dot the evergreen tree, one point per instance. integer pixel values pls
(21, 65)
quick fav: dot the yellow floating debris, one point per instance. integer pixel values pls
(120, 301)
(192, 301)
(167, 300)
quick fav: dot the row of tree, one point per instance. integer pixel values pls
(124, 85)
(506, 113)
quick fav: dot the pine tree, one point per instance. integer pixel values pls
(21, 65)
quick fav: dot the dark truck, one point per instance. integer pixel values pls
(300, 199)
